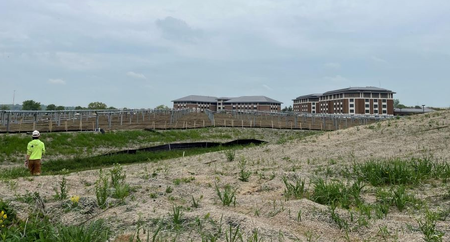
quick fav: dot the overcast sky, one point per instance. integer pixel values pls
(139, 54)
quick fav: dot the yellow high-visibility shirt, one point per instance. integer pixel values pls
(35, 149)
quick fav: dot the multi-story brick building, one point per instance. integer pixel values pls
(352, 100)
(242, 104)
(307, 103)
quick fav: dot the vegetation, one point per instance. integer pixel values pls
(97, 105)
(31, 105)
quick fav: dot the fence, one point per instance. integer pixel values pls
(89, 120)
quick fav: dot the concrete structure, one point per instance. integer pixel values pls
(242, 104)
(352, 100)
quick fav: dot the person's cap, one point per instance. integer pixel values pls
(36, 133)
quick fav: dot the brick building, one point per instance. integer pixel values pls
(242, 104)
(352, 100)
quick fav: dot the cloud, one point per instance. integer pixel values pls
(332, 65)
(177, 29)
(337, 78)
(56, 81)
(267, 87)
(378, 59)
(136, 75)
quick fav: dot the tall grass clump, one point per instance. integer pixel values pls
(101, 189)
(401, 172)
(296, 189)
(227, 196)
(337, 193)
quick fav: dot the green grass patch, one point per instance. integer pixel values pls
(65, 166)
(401, 172)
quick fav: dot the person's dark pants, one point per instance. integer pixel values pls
(35, 167)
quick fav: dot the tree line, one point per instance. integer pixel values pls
(36, 106)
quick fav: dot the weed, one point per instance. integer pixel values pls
(195, 203)
(169, 189)
(243, 174)
(230, 154)
(117, 175)
(62, 193)
(177, 215)
(428, 227)
(228, 196)
(233, 235)
(294, 190)
(342, 223)
(101, 190)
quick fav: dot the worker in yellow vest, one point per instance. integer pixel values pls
(35, 149)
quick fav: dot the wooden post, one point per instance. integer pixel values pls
(65, 125)
(272, 124)
(93, 126)
(34, 125)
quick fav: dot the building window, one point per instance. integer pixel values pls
(375, 100)
(384, 100)
(352, 100)
(375, 111)
(367, 111)
(367, 106)
(375, 106)
(384, 105)
(366, 100)
(352, 105)
(384, 112)
(352, 111)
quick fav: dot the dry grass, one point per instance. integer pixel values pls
(260, 203)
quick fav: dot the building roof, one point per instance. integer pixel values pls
(358, 90)
(314, 95)
(252, 99)
(412, 110)
(197, 98)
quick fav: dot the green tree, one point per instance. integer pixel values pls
(60, 108)
(4, 107)
(78, 107)
(162, 107)
(97, 105)
(31, 105)
(51, 107)
(112, 107)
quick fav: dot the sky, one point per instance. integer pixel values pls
(140, 53)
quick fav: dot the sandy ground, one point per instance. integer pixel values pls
(260, 203)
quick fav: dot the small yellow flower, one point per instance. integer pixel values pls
(5, 216)
(75, 199)
(1, 214)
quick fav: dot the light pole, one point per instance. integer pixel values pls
(423, 108)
